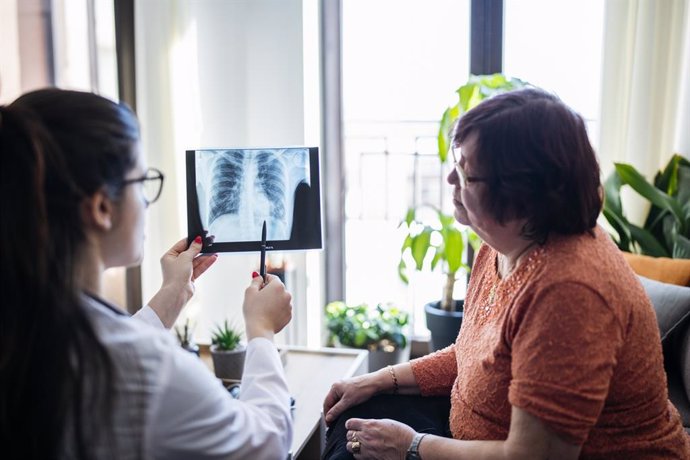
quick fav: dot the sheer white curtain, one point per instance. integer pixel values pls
(646, 80)
(214, 74)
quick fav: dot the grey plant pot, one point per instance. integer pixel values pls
(379, 359)
(228, 364)
(443, 325)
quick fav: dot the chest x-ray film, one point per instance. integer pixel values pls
(231, 192)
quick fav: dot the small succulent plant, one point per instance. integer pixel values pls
(226, 337)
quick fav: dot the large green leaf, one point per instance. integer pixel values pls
(675, 181)
(669, 228)
(683, 189)
(681, 248)
(612, 193)
(454, 246)
(402, 271)
(447, 221)
(477, 88)
(648, 243)
(410, 216)
(438, 256)
(631, 177)
(420, 246)
(468, 96)
(620, 225)
(613, 210)
(447, 120)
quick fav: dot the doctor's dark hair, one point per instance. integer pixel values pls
(538, 161)
(56, 377)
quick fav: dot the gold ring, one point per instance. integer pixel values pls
(354, 437)
(356, 446)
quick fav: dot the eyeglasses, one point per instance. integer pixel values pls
(152, 182)
(462, 175)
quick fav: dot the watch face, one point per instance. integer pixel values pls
(413, 456)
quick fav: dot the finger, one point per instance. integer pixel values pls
(194, 248)
(273, 281)
(354, 424)
(201, 264)
(256, 283)
(331, 399)
(178, 247)
(335, 412)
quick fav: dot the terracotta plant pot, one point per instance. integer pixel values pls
(228, 365)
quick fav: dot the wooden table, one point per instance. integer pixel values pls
(310, 374)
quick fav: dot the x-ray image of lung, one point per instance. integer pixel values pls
(238, 189)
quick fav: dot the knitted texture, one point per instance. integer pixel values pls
(570, 337)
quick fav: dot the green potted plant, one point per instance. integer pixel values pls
(184, 336)
(477, 88)
(660, 248)
(227, 352)
(441, 236)
(666, 230)
(381, 330)
(430, 245)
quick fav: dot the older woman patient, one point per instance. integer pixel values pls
(559, 355)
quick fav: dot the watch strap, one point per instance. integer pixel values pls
(413, 450)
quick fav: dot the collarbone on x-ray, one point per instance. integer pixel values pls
(243, 187)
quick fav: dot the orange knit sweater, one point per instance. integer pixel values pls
(570, 337)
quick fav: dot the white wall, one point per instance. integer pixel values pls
(215, 73)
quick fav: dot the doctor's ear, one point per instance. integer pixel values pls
(98, 211)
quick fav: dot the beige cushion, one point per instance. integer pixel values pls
(672, 271)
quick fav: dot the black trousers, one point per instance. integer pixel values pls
(424, 414)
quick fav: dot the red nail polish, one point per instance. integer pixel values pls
(197, 240)
(254, 275)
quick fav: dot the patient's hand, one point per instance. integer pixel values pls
(350, 392)
(181, 266)
(379, 439)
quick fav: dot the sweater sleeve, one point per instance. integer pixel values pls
(435, 373)
(565, 344)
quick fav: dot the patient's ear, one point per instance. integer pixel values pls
(98, 211)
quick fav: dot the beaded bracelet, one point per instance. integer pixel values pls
(391, 371)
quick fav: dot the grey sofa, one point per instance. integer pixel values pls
(672, 306)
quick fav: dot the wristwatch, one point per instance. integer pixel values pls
(413, 450)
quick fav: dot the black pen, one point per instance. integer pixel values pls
(262, 267)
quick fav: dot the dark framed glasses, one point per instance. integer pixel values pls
(152, 184)
(464, 179)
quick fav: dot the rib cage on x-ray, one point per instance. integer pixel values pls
(226, 184)
(272, 181)
(248, 187)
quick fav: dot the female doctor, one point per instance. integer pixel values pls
(78, 378)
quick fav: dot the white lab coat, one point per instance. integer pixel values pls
(170, 406)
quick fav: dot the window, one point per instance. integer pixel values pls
(558, 46)
(402, 62)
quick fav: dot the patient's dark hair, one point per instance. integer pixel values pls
(539, 162)
(57, 147)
